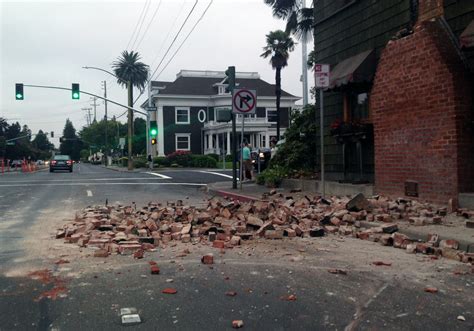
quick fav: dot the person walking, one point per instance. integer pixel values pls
(247, 161)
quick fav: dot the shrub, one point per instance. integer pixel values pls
(181, 158)
(272, 177)
(214, 156)
(139, 163)
(228, 158)
(161, 161)
(203, 161)
(124, 161)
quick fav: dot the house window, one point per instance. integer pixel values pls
(271, 115)
(221, 89)
(360, 106)
(182, 116)
(183, 142)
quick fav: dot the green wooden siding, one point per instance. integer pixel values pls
(458, 14)
(361, 25)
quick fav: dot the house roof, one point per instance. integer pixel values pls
(205, 86)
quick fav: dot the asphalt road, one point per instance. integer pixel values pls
(263, 273)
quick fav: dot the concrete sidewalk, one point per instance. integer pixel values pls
(454, 227)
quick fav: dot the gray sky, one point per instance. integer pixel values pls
(48, 43)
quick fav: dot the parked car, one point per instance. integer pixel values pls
(60, 162)
(15, 163)
(260, 156)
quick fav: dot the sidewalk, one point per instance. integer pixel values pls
(453, 228)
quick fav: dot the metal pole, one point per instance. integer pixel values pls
(130, 126)
(242, 153)
(234, 152)
(304, 54)
(106, 126)
(321, 126)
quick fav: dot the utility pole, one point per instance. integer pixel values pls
(106, 128)
(304, 54)
(95, 108)
(130, 124)
(88, 115)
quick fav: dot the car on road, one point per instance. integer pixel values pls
(260, 156)
(60, 162)
(15, 163)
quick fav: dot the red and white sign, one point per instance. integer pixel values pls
(321, 75)
(244, 101)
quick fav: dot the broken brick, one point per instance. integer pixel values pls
(208, 259)
(218, 244)
(155, 270)
(169, 291)
(237, 324)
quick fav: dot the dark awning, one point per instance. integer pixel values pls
(359, 68)
(467, 36)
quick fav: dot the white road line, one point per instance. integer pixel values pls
(91, 184)
(89, 193)
(216, 173)
(80, 180)
(157, 174)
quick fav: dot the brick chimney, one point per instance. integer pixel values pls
(429, 9)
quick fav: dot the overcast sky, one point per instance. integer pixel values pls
(48, 43)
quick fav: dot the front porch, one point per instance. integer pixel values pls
(217, 137)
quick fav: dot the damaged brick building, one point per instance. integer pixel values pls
(399, 110)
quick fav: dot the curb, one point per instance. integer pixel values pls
(232, 195)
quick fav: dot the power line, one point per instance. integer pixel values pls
(171, 45)
(182, 43)
(141, 25)
(149, 24)
(136, 26)
(174, 39)
(168, 34)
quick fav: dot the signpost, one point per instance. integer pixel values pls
(321, 78)
(244, 102)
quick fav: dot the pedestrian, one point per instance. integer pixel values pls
(247, 162)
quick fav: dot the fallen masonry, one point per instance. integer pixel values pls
(127, 230)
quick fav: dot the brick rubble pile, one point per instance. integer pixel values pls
(224, 224)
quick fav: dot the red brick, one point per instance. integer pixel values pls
(208, 259)
(218, 244)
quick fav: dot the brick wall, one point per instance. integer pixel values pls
(422, 106)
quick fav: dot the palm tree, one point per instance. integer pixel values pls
(130, 72)
(278, 48)
(299, 20)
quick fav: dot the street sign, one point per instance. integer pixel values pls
(151, 108)
(321, 75)
(122, 143)
(244, 101)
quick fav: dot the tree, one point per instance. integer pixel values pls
(299, 20)
(278, 48)
(71, 146)
(130, 73)
(3, 126)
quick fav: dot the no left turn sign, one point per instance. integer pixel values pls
(244, 101)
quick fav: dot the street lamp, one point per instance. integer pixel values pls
(130, 115)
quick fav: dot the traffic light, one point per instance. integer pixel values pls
(153, 141)
(153, 129)
(75, 91)
(62, 139)
(230, 73)
(19, 92)
(52, 134)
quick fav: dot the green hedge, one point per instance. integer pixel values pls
(272, 177)
(203, 161)
(140, 163)
(161, 161)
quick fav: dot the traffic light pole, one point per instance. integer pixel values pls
(91, 94)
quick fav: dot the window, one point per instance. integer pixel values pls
(182, 116)
(183, 142)
(221, 89)
(271, 115)
(360, 106)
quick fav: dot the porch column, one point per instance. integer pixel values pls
(228, 142)
(267, 140)
(217, 144)
(209, 141)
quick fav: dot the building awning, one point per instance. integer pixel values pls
(466, 39)
(359, 68)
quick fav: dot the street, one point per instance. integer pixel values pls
(263, 273)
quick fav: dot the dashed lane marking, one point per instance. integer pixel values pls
(159, 175)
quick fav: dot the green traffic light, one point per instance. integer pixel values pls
(19, 96)
(75, 96)
(153, 132)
